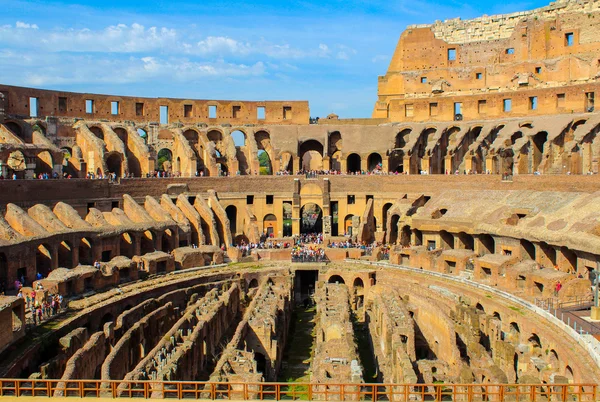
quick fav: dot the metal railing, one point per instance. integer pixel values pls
(298, 391)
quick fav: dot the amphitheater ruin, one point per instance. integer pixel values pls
(452, 241)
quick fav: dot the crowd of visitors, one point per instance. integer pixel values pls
(308, 253)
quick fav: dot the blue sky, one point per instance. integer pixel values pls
(328, 52)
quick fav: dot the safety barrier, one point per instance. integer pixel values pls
(298, 391)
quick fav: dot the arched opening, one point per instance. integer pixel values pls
(164, 161)
(108, 317)
(126, 245)
(336, 279)
(43, 259)
(527, 249)
(253, 284)
(405, 235)
(393, 236)
(270, 225)
(374, 162)
(335, 150)
(143, 133)
(358, 288)
(265, 151)
(167, 241)
(311, 155)
(231, 212)
(384, 215)
(570, 259)
(418, 153)
(418, 236)
(287, 219)
(3, 271)
(353, 163)
(534, 341)
(466, 241)
(539, 142)
(569, 374)
(85, 252)
(239, 141)
(479, 307)
(193, 139)
(447, 240)
(348, 225)
(264, 163)
(65, 255)
(147, 242)
(68, 167)
(311, 219)
(113, 163)
(239, 138)
(15, 129)
(396, 155)
(553, 359)
(497, 316)
(261, 363)
(98, 132)
(488, 244)
(548, 254)
(43, 163)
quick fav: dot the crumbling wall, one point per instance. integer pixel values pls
(336, 356)
(142, 336)
(260, 336)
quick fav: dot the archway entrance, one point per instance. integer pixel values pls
(113, 163)
(311, 155)
(165, 160)
(43, 163)
(374, 162)
(311, 219)
(353, 163)
(231, 212)
(270, 225)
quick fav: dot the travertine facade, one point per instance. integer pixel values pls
(539, 62)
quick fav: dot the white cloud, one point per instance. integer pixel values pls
(23, 25)
(58, 69)
(222, 45)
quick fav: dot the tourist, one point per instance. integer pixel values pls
(557, 288)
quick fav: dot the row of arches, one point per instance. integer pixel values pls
(74, 251)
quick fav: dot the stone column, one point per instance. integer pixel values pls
(406, 164)
(363, 163)
(326, 226)
(448, 164)
(296, 208)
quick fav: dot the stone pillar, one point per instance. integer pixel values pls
(327, 226)
(54, 256)
(425, 164)
(355, 225)
(385, 164)
(406, 164)
(489, 164)
(326, 162)
(363, 163)
(468, 163)
(326, 197)
(448, 164)
(343, 165)
(30, 170)
(296, 208)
